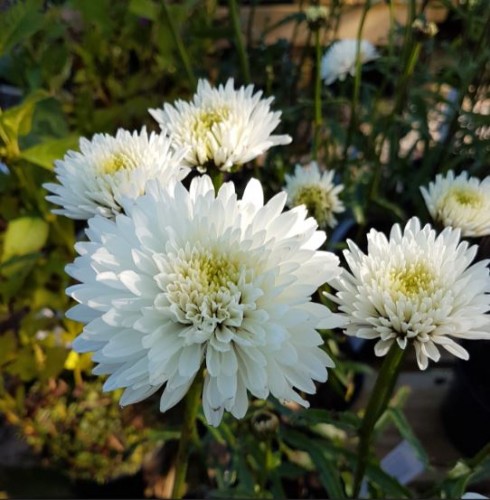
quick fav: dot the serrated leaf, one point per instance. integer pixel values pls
(45, 153)
(24, 235)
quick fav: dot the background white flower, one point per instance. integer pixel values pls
(415, 288)
(108, 169)
(461, 202)
(340, 59)
(222, 127)
(316, 190)
(186, 279)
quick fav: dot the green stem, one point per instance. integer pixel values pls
(242, 55)
(318, 95)
(192, 403)
(184, 57)
(380, 397)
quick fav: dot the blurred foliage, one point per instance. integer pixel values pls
(74, 68)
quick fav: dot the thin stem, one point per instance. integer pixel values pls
(184, 57)
(318, 95)
(380, 396)
(357, 81)
(192, 402)
(242, 55)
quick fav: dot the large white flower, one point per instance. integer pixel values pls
(340, 59)
(462, 202)
(308, 186)
(415, 288)
(186, 280)
(107, 168)
(222, 127)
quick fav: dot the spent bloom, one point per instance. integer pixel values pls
(461, 202)
(108, 169)
(415, 288)
(221, 127)
(309, 186)
(187, 280)
(340, 59)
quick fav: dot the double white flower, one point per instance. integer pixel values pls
(186, 280)
(415, 288)
(221, 127)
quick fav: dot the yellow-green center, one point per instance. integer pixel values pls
(116, 162)
(466, 197)
(316, 200)
(208, 118)
(412, 280)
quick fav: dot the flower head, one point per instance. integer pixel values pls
(221, 127)
(308, 186)
(108, 169)
(340, 59)
(415, 287)
(186, 280)
(461, 202)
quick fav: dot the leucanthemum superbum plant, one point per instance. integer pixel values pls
(316, 190)
(222, 127)
(109, 168)
(415, 288)
(187, 280)
(460, 201)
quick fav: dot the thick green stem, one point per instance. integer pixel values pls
(380, 397)
(318, 95)
(192, 403)
(242, 55)
(184, 58)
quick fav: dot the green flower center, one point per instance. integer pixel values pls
(207, 119)
(116, 162)
(466, 197)
(413, 280)
(317, 202)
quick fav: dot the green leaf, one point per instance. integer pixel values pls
(24, 235)
(345, 420)
(144, 8)
(20, 21)
(398, 418)
(8, 347)
(45, 153)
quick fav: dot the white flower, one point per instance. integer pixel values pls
(340, 59)
(308, 186)
(415, 288)
(222, 127)
(108, 169)
(461, 202)
(186, 280)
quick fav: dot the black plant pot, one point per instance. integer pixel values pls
(466, 408)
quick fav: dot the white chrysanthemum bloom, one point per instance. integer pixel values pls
(415, 288)
(108, 169)
(461, 202)
(186, 280)
(340, 59)
(317, 191)
(221, 127)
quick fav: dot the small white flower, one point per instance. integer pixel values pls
(221, 127)
(108, 169)
(186, 280)
(415, 288)
(340, 59)
(308, 186)
(461, 202)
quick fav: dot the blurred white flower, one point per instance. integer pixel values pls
(415, 288)
(308, 186)
(461, 202)
(221, 127)
(108, 169)
(340, 59)
(187, 280)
